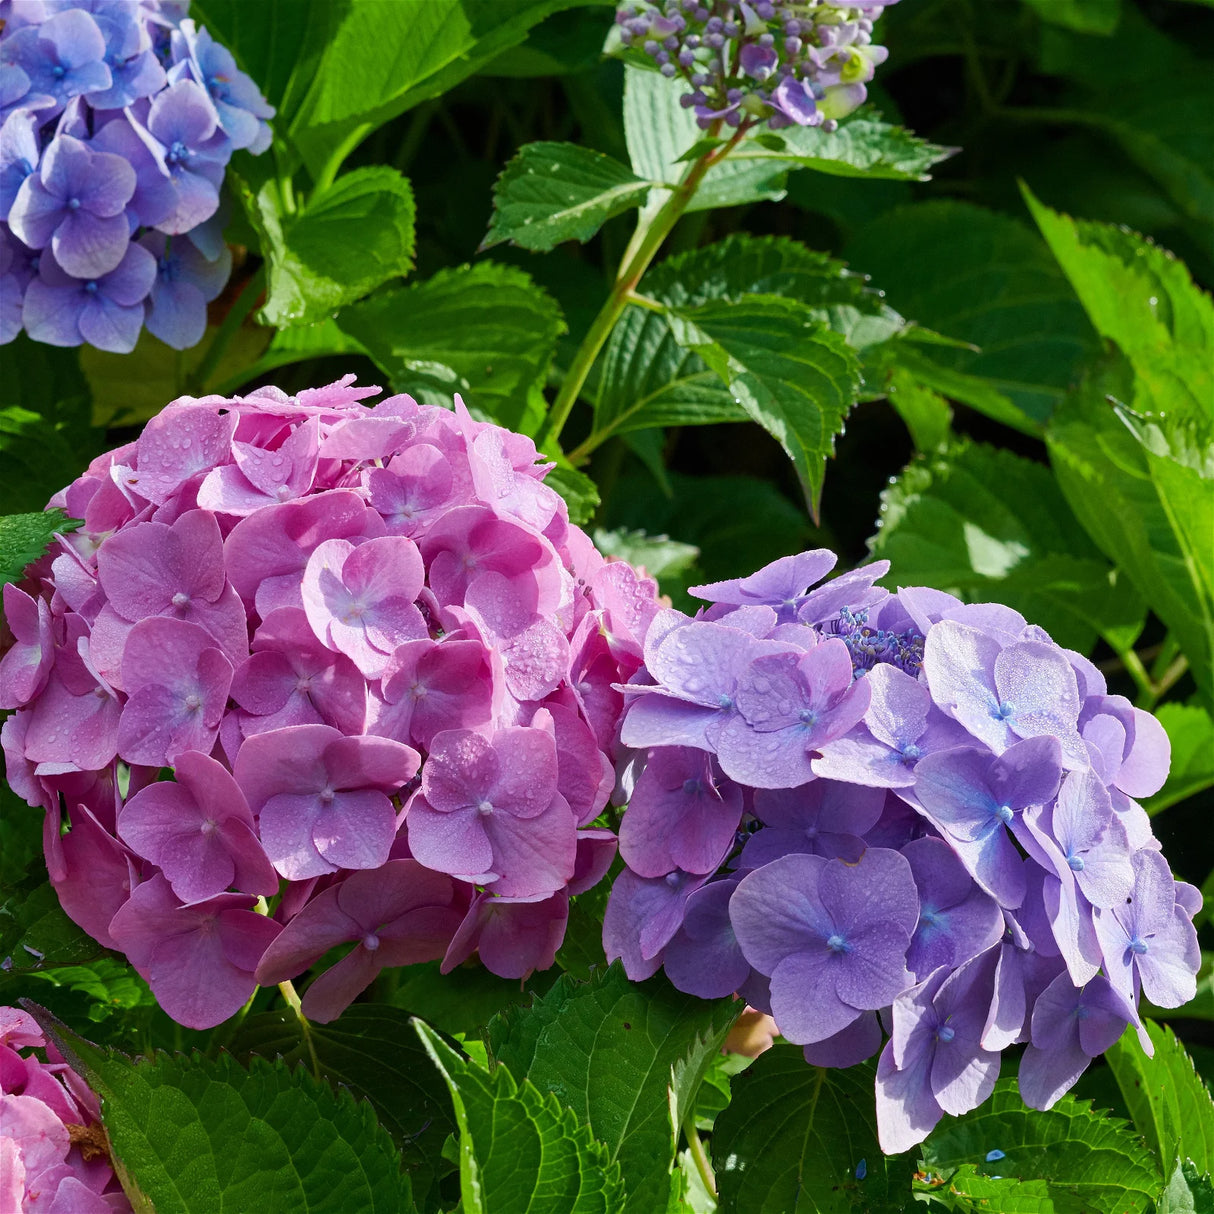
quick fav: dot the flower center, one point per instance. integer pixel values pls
(837, 944)
(1138, 945)
(485, 807)
(945, 1033)
(371, 942)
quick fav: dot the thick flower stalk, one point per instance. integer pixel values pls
(53, 1151)
(118, 121)
(902, 825)
(775, 61)
(313, 674)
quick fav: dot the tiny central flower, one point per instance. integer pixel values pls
(1076, 863)
(484, 807)
(371, 942)
(1138, 946)
(945, 1033)
(59, 71)
(91, 287)
(692, 788)
(724, 702)
(209, 826)
(327, 796)
(192, 702)
(837, 944)
(178, 153)
(808, 716)
(73, 204)
(180, 599)
(1004, 813)
(1003, 711)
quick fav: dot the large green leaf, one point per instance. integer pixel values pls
(648, 379)
(1144, 511)
(863, 146)
(485, 330)
(384, 57)
(986, 524)
(370, 1050)
(519, 1150)
(986, 279)
(551, 192)
(614, 1050)
(791, 374)
(36, 934)
(1072, 1160)
(351, 237)
(1084, 16)
(25, 537)
(1167, 1099)
(1190, 729)
(206, 1135)
(1188, 1192)
(1141, 297)
(797, 1139)
(659, 131)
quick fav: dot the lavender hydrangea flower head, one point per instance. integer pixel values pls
(769, 61)
(938, 826)
(276, 724)
(103, 150)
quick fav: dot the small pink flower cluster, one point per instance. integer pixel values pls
(52, 1150)
(381, 664)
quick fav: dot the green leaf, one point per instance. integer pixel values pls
(659, 132)
(198, 1134)
(988, 280)
(579, 491)
(36, 934)
(1190, 729)
(1088, 1161)
(25, 537)
(382, 59)
(486, 330)
(609, 1048)
(1084, 16)
(649, 379)
(863, 146)
(1169, 1103)
(658, 555)
(551, 192)
(463, 1001)
(1188, 1192)
(1141, 297)
(790, 373)
(110, 983)
(988, 525)
(369, 1050)
(793, 1137)
(351, 237)
(1141, 509)
(296, 344)
(519, 1150)
(927, 414)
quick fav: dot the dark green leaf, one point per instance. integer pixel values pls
(519, 1150)
(927, 414)
(197, 1134)
(658, 555)
(552, 192)
(351, 237)
(463, 1001)
(1141, 297)
(369, 1050)
(25, 537)
(1169, 1103)
(794, 1137)
(383, 58)
(39, 456)
(1085, 16)
(110, 983)
(987, 525)
(35, 934)
(1191, 732)
(579, 491)
(486, 330)
(790, 373)
(608, 1048)
(986, 279)
(1088, 1161)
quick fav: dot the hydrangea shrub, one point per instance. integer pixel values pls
(382, 666)
(897, 818)
(119, 119)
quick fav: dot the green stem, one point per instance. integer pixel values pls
(1165, 657)
(293, 1002)
(237, 313)
(698, 1154)
(1138, 672)
(642, 249)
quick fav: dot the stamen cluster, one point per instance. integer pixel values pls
(785, 62)
(314, 674)
(119, 118)
(901, 824)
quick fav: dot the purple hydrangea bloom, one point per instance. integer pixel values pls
(63, 56)
(185, 283)
(19, 155)
(76, 204)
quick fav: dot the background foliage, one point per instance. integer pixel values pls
(948, 371)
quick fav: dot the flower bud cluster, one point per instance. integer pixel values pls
(786, 62)
(902, 825)
(381, 666)
(53, 1153)
(119, 118)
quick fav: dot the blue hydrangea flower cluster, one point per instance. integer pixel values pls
(786, 62)
(899, 824)
(119, 118)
